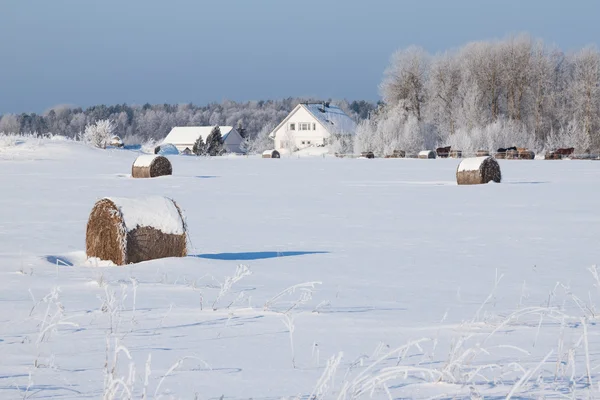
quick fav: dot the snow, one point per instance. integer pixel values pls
(332, 117)
(153, 211)
(471, 164)
(187, 135)
(443, 290)
(144, 160)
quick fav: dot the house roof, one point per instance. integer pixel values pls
(184, 135)
(331, 117)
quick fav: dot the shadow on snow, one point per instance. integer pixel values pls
(255, 255)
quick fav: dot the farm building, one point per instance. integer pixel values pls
(184, 137)
(311, 124)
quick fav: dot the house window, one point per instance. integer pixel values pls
(292, 127)
(303, 142)
(304, 126)
(308, 142)
(314, 126)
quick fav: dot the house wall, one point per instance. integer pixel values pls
(233, 142)
(301, 139)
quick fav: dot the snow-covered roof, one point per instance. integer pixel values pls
(145, 160)
(187, 135)
(153, 211)
(471, 164)
(333, 118)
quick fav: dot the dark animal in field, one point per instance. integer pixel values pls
(560, 153)
(565, 152)
(504, 150)
(443, 152)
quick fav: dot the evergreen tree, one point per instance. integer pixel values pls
(199, 148)
(214, 142)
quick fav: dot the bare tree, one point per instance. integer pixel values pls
(405, 80)
(444, 84)
(585, 92)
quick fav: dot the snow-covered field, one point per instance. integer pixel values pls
(336, 278)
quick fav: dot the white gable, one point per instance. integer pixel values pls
(184, 137)
(332, 118)
(310, 125)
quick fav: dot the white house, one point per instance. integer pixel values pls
(184, 137)
(311, 124)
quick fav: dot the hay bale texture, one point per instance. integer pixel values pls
(427, 154)
(525, 154)
(367, 154)
(271, 154)
(478, 170)
(125, 230)
(455, 153)
(482, 153)
(151, 166)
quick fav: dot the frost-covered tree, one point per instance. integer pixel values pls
(261, 142)
(585, 92)
(199, 147)
(99, 134)
(405, 80)
(214, 142)
(9, 124)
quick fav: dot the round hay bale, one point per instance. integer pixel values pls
(125, 231)
(478, 170)
(500, 155)
(367, 154)
(482, 153)
(151, 166)
(397, 154)
(271, 154)
(526, 155)
(427, 154)
(512, 154)
(166, 149)
(455, 154)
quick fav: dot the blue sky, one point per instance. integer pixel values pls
(175, 51)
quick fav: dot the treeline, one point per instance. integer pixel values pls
(485, 95)
(137, 124)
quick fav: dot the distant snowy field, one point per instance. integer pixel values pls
(402, 284)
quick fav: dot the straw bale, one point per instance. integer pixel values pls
(271, 154)
(151, 166)
(109, 238)
(478, 170)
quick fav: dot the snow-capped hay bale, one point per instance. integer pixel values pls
(131, 230)
(526, 154)
(455, 154)
(482, 153)
(512, 154)
(426, 154)
(397, 154)
(367, 154)
(271, 154)
(478, 170)
(151, 166)
(166, 149)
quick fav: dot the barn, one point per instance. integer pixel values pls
(184, 137)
